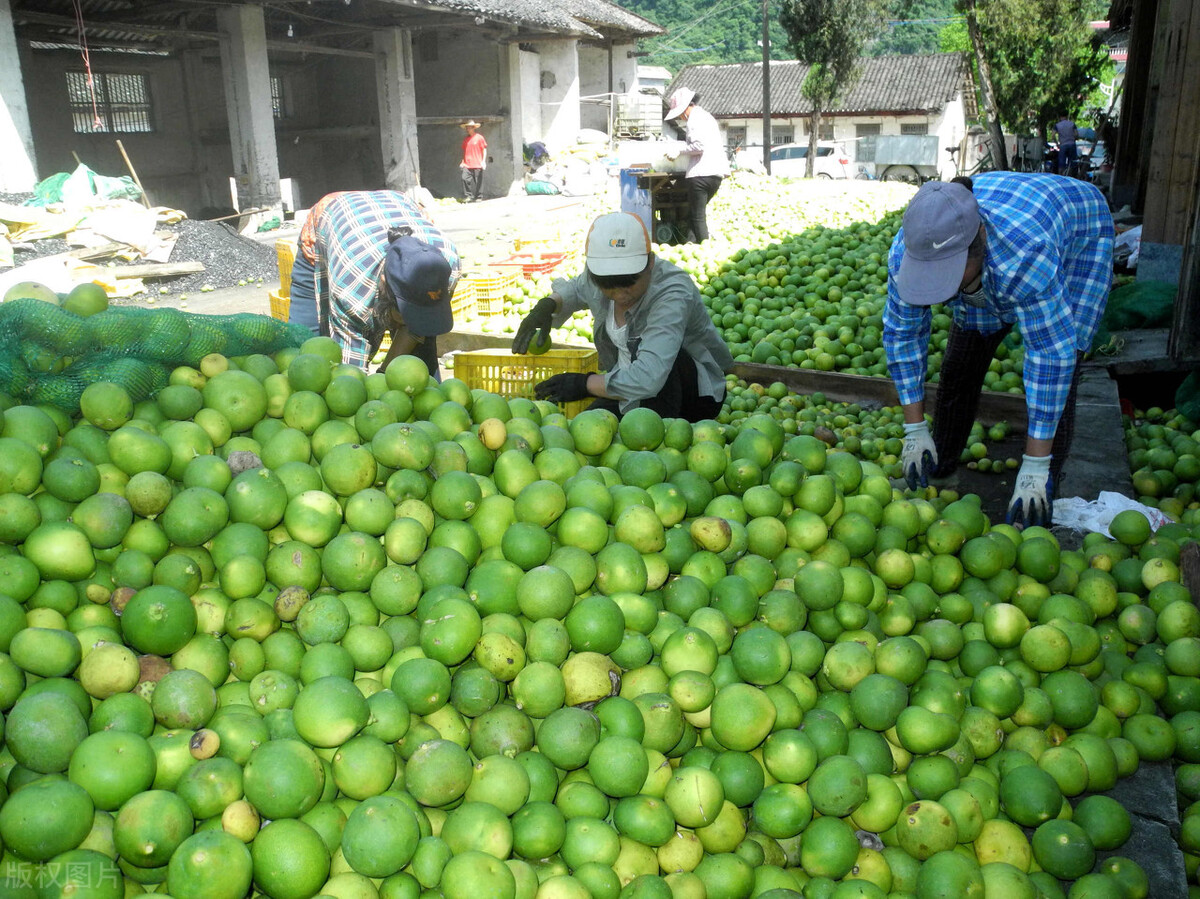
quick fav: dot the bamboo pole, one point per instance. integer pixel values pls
(133, 172)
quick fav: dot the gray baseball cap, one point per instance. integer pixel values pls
(939, 224)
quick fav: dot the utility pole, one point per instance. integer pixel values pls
(766, 113)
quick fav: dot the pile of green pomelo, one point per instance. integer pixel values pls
(795, 274)
(290, 630)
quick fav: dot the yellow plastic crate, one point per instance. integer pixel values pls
(506, 375)
(490, 288)
(548, 242)
(462, 302)
(285, 251)
(281, 304)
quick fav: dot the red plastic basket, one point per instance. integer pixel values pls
(531, 264)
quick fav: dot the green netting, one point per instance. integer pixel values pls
(49, 355)
(1141, 304)
(1187, 397)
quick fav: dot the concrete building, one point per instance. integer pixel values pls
(359, 94)
(896, 95)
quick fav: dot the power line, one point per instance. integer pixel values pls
(722, 7)
(944, 20)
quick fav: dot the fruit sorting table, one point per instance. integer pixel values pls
(660, 200)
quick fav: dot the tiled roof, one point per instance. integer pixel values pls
(889, 84)
(149, 23)
(607, 16)
(590, 18)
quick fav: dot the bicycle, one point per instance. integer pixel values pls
(985, 162)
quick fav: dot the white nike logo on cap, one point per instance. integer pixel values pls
(938, 246)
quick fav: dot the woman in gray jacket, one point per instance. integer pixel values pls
(657, 345)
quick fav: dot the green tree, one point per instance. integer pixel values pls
(829, 35)
(1042, 56)
(913, 26)
(705, 31)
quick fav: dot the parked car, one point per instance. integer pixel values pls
(788, 160)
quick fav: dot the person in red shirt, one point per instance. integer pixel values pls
(474, 161)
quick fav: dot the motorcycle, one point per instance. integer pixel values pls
(1080, 167)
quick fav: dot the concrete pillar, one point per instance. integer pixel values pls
(397, 94)
(18, 165)
(248, 103)
(559, 92)
(527, 94)
(519, 112)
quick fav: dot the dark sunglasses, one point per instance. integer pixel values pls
(613, 282)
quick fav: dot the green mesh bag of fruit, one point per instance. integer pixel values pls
(50, 355)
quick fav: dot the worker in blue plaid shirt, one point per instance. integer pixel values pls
(1003, 248)
(369, 263)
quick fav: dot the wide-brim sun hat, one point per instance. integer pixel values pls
(680, 100)
(470, 123)
(939, 225)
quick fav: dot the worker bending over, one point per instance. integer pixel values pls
(1004, 248)
(369, 263)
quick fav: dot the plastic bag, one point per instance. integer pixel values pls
(1080, 515)
(1127, 246)
(82, 186)
(540, 187)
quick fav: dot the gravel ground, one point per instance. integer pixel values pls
(230, 260)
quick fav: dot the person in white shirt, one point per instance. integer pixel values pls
(708, 165)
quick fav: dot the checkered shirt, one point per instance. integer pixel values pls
(351, 240)
(1048, 269)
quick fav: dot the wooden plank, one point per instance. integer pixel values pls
(1184, 344)
(846, 388)
(98, 252)
(1132, 141)
(1171, 171)
(157, 270)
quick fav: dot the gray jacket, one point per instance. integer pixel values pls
(669, 317)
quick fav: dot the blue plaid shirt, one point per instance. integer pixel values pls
(351, 239)
(1048, 269)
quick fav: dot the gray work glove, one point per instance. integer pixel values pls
(919, 457)
(1031, 499)
(541, 319)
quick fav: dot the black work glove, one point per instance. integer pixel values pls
(541, 319)
(564, 388)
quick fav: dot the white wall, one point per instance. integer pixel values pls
(593, 83)
(625, 79)
(18, 163)
(559, 80)
(528, 93)
(949, 126)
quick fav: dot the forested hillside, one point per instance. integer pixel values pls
(704, 31)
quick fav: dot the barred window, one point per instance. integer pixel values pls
(914, 128)
(278, 106)
(782, 135)
(735, 136)
(122, 102)
(865, 144)
(825, 133)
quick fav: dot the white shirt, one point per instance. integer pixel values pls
(620, 337)
(705, 144)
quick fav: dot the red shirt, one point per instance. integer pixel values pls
(473, 149)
